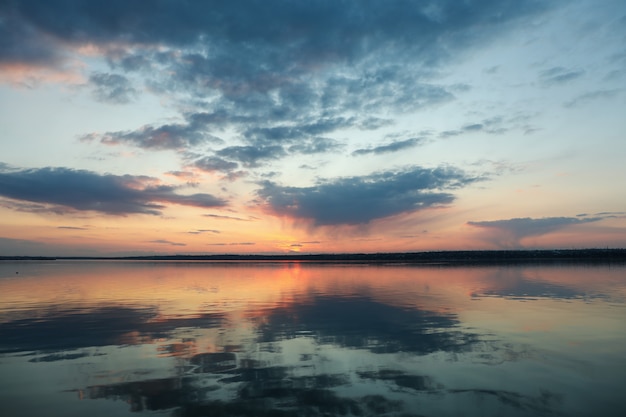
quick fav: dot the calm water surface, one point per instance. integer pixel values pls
(295, 339)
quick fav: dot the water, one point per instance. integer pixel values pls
(296, 339)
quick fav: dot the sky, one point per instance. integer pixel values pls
(323, 126)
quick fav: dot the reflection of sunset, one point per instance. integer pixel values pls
(191, 288)
(151, 330)
(189, 294)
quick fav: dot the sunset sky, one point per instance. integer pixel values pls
(192, 127)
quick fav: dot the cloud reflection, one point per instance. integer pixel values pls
(363, 323)
(519, 284)
(61, 330)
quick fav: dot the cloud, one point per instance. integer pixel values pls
(509, 232)
(278, 73)
(373, 123)
(200, 231)
(112, 88)
(316, 145)
(252, 156)
(390, 147)
(591, 96)
(167, 242)
(233, 244)
(319, 30)
(72, 228)
(23, 44)
(559, 75)
(296, 132)
(611, 214)
(220, 217)
(20, 247)
(176, 136)
(494, 125)
(215, 164)
(64, 190)
(359, 200)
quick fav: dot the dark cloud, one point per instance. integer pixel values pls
(509, 232)
(62, 190)
(72, 228)
(279, 73)
(390, 147)
(559, 75)
(316, 30)
(23, 43)
(112, 88)
(359, 200)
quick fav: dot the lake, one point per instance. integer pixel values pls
(115, 338)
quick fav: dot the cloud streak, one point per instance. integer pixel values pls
(167, 242)
(390, 147)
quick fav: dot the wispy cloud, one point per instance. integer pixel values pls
(176, 136)
(591, 96)
(112, 88)
(166, 242)
(222, 217)
(559, 75)
(200, 231)
(233, 244)
(389, 147)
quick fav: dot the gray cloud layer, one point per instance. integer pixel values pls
(359, 200)
(61, 190)
(283, 75)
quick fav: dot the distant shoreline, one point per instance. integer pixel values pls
(482, 257)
